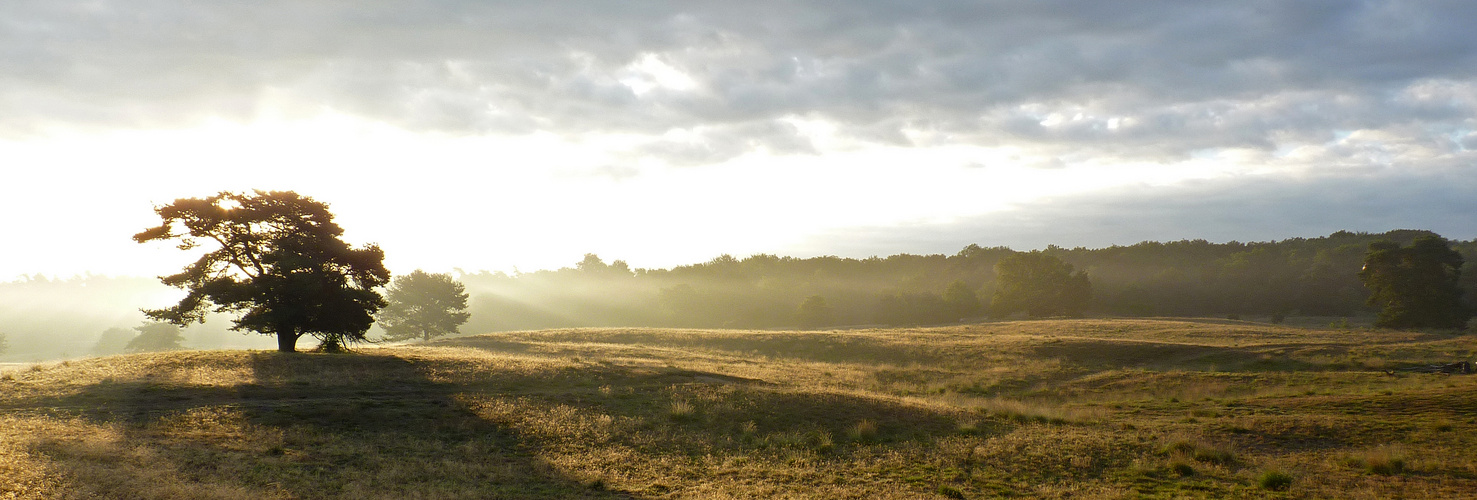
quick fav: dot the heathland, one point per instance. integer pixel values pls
(1050, 408)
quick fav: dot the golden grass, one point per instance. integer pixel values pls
(1039, 409)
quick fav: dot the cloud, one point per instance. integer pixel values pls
(1138, 80)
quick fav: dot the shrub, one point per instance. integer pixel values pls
(1387, 466)
(1385, 461)
(865, 430)
(682, 410)
(1274, 480)
(1198, 451)
(1214, 456)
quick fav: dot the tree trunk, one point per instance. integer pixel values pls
(287, 342)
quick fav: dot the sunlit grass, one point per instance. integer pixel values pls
(1043, 409)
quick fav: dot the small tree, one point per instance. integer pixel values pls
(113, 341)
(815, 313)
(1040, 285)
(277, 261)
(4, 343)
(156, 336)
(1415, 286)
(423, 305)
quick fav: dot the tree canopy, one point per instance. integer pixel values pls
(815, 312)
(1415, 286)
(156, 336)
(424, 305)
(274, 258)
(962, 300)
(1039, 284)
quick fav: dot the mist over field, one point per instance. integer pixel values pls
(59, 318)
(52, 318)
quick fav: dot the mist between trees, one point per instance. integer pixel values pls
(47, 319)
(1302, 276)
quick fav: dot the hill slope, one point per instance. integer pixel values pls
(1086, 409)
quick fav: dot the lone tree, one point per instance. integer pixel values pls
(423, 305)
(1415, 286)
(4, 343)
(156, 336)
(275, 259)
(1040, 285)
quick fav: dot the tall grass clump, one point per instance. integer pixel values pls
(863, 431)
(682, 411)
(1384, 461)
(1274, 480)
(1024, 412)
(1197, 450)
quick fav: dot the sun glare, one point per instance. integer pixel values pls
(542, 200)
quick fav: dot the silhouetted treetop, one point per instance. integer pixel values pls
(276, 259)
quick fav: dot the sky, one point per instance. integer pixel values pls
(521, 135)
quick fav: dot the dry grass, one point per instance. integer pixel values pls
(1042, 409)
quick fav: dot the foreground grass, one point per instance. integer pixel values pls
(1054, 409)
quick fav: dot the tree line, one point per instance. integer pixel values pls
(1299, 276)
(274, 264)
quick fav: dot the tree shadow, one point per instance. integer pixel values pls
(303, 426)
(672, 410)
(405, 424)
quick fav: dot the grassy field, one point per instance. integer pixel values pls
(1048, 409)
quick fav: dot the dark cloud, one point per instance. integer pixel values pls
(1139, 80)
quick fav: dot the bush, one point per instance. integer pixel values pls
(1274, 480)
(1214, 456)
(682, 411)
(1385, 461)
(865, 431)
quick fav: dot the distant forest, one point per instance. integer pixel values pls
(1299, 276)
(57, 318)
